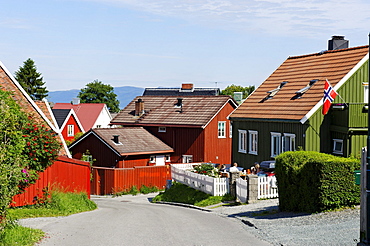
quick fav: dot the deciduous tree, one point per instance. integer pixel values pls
(229, 90)
(97, 92)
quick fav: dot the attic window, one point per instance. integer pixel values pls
(303, 90)
(273, 92)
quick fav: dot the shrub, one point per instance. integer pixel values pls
(312, 182)
(26, 148)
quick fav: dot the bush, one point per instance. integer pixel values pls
(312, 182)
(182, 194)
(26, 148)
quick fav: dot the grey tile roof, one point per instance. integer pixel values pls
(60, 115)
(181, 92)
(132, 140)
(161, 110)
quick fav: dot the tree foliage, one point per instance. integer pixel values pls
(26, 148)
(97, 92)
(229, 90)
(31, 80)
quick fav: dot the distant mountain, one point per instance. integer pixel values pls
(125, 94)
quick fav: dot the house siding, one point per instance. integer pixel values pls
(218, 150)
(264, 130)
(184, 141)
(103, 155)
(71, 121)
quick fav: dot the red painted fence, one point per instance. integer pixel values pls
(68, 174)
(109, 180)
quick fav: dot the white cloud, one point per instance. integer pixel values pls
(284, 17)
(14, 23)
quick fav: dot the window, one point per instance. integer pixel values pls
(253, 142)
(187, 159)
(70, 131)
(242, 141)
(338, 146)
(162, 129)
(288, 142)
(98, 126)
(152, 159)
(275, 143)
(168, 158)
(221, 129)
(366, 91)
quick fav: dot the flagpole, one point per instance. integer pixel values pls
(365, 186)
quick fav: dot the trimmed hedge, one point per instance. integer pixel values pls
(313, 182)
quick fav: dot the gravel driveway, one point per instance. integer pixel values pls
(282, 228)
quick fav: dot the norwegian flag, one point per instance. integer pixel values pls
(329, 96)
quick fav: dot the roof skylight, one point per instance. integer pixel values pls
(273, 92)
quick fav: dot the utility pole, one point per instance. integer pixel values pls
(365, 198)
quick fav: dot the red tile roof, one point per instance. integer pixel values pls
(333, 65)
(133, 141)
(197, 111)
(87, 113)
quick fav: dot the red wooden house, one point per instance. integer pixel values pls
(91, 115)
(68, 123)
(122, 148)
(196, 127)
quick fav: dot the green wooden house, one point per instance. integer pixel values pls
(285, 112)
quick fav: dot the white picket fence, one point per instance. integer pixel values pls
(207, 184)
(267, 187)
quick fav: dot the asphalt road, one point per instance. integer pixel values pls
(133, 220)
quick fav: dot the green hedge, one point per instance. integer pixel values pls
(312, 182)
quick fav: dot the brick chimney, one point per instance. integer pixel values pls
(139, 107)
(116, 139)
(187, 86)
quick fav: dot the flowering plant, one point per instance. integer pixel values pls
(41, 150)
(206, 169)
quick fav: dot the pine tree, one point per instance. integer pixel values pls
(31, 80)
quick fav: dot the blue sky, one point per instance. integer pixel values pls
(151, 43)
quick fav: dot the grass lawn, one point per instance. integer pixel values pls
(185, 194)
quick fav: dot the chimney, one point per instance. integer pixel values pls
(139, 107)
(187, 87)
(179, 104)
(337, 42)
(238, 96)
(116, 139)
(75, 101)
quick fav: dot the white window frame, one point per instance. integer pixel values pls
(167, 158)
(288, 146)
(335, 142)
(242, 141)
(252, 142)
(152, 159)
(275, 139)
(366, 91)
(70, 130)
(221, 129)
(187, 158)
(162, 129)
